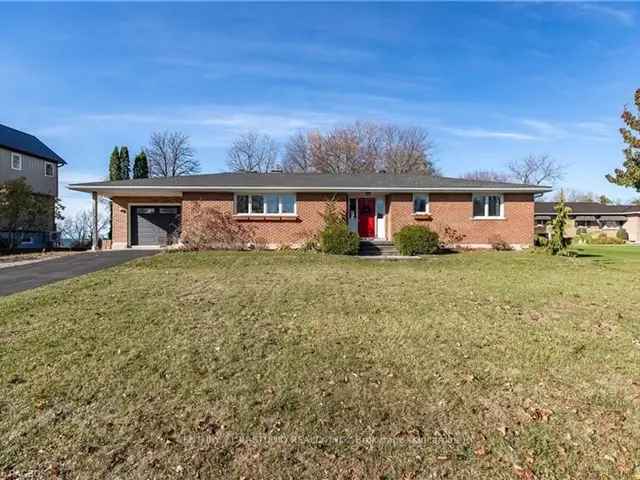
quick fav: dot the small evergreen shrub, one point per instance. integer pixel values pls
(558, 243)
(416, 240)
(336, 239)
(622, 234)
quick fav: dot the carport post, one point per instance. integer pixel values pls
(94, 222)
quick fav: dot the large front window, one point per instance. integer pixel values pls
(488, 206)
(266, 204)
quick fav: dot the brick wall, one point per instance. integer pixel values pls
(272, 231)
(447, 209)
(456, 210)
(119, 236)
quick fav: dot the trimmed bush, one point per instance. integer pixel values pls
(416, 240)
(603, 239)
(338, 240)
(622, 234)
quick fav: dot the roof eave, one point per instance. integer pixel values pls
(240, 188)
(59, 161)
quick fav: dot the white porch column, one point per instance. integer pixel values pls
(94, 221)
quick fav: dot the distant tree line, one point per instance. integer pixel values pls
(358, 148)
(531, 170)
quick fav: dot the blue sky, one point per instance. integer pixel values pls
(489, 82)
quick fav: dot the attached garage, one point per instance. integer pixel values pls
(154, 225)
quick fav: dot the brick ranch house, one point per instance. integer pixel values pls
(286, 209)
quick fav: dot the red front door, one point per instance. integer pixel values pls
(367, 217)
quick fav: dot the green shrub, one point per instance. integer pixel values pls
(622, 234)
(338, 240)
(416, 240)
(603, 239)
(541, 241)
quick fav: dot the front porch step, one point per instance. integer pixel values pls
(377, 248)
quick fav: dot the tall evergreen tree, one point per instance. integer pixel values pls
(629, 175)
(125, 164)
(114, 165)
(141, 166)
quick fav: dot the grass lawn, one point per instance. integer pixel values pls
(284, 365)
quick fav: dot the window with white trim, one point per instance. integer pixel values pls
(49, 169)
(265, 204)
(488, 206)
(16, 161)
(420, 203)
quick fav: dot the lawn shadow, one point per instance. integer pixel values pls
(580, 254)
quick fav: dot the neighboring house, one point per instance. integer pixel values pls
(286, 209)
(593, 217)
(23, 155)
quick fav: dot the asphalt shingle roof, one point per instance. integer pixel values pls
(310, 181)
(28, 144)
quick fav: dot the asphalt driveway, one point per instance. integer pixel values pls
(33, 275)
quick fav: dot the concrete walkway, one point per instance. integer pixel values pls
(33, 275)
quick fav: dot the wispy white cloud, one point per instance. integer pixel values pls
(220, 121)
(344, 78)
(598, 128)
(584, 130)
(622, 16)
(482, 133)
(545, 129)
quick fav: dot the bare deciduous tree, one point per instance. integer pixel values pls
(362, 147)
(340, 152)
(406, 150)
(536, 170)
(170, 155)
(79, 228)
(487, 176)
(297, 154)
(252, 152)
(571, 195)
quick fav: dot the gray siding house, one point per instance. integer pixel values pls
(24, 155)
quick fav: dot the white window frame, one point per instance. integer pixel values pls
(264, 204)
(53, 169)
(19, 157)
(413, 204)
(486, 206)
